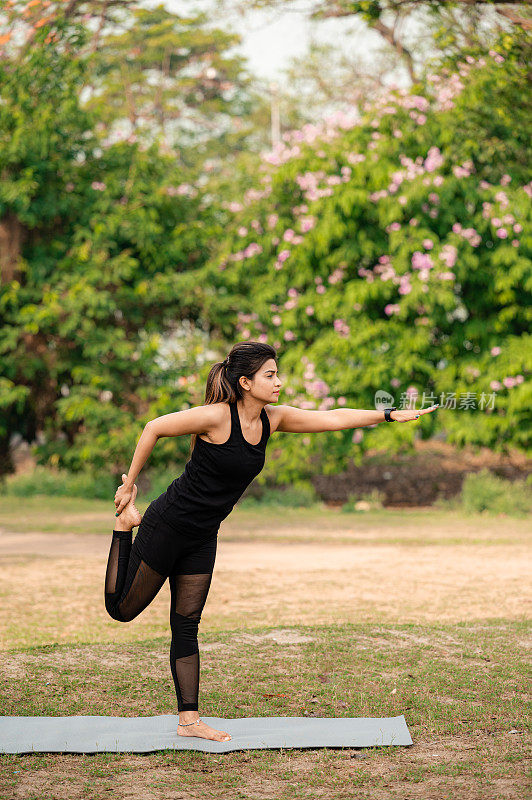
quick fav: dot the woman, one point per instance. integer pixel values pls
(177, 536)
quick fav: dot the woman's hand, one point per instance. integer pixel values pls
(407, 414)
(122, 495)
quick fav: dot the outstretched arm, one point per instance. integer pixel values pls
(299, 420)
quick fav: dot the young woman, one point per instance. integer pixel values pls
(177, 536)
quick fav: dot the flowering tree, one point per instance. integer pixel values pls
(391, 255)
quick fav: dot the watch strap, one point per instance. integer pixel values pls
(387, 414)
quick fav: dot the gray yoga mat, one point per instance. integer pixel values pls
(95, 734)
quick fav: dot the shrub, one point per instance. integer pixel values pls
(90, 484)
(484, 491)
(375, 499)
(299, 494)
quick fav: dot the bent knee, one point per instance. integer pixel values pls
(114, 611)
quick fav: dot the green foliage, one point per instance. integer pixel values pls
(301, 494)
(107, 262)
(91, 484)
(373, 499)
(485, 492)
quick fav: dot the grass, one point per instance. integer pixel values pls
(461, 684)
(433, 524)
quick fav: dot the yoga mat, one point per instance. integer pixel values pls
(96, 734)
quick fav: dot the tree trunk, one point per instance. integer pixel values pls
(12, 236)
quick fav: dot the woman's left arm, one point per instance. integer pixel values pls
(298, 420)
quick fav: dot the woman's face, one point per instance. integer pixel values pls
(266, 382)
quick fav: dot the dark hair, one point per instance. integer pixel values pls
(245, 358)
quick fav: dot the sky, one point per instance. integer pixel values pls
(271, 39)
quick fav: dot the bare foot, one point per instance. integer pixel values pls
(130, 516)
(204, 731)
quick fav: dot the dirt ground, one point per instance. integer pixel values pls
(54, 583)
(261, 582)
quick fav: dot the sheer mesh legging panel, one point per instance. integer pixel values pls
(188, 594)
(130, 584)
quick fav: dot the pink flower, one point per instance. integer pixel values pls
(283, 255)
(341, 327)
(289, 235)
(307, 223)
(502, 233)
(98, 186)
(252, 249)
(448, 255)
(421, 260)
(309, 310)
(433, 160)
(495, 351)
(495, 385)
(276, 319)
(428, 244)
(272, 220)
(391, 308)
(242, 231)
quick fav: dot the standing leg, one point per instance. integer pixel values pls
(189, 586)
(130, 583)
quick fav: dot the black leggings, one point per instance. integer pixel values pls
(136, 570)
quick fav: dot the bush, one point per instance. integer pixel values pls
(374, 499)
(484, 491)
(90, 484)
(299, 494)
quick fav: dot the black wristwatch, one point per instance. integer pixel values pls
(387, 414)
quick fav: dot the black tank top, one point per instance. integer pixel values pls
(214, 478)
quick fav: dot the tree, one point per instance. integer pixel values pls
(393, 254)
(103, 246)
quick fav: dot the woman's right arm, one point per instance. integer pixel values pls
(191, 420)
(198, 419)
